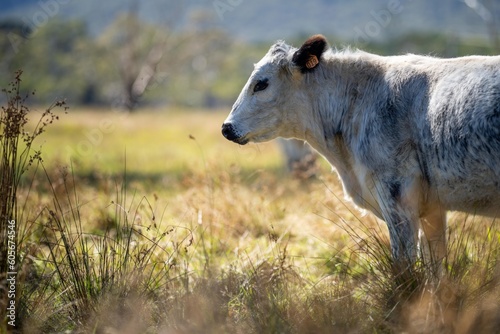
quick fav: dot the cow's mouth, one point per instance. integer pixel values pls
(241, 141)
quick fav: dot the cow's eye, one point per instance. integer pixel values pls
(260, 85)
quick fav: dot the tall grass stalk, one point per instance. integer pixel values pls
(16, 157)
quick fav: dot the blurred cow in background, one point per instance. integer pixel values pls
(301, 159)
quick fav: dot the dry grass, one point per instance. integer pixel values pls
(165, 227)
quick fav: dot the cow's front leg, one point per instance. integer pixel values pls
(403, 235)
(433, 224)
(402, 221)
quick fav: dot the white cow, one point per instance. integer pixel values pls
(411, 137)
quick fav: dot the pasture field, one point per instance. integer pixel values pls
(152, 222)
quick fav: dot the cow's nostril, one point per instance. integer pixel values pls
(228, 131)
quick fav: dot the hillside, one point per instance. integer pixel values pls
(263, 20)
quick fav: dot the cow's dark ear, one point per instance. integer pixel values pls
(309, 54)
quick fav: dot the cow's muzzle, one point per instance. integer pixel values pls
(230, 133)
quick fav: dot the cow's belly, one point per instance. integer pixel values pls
(475, 194)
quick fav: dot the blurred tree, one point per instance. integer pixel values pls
(205, 50)
(182, 62)
(12, 32)
(55, 59)
(140, 49)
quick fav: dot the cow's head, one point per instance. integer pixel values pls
(274, 96)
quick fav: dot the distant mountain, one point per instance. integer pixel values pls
(8, 5)
(261, 20)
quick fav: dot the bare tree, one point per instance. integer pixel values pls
(149, 55)
(137, 72)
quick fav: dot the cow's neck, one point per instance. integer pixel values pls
(334, 127)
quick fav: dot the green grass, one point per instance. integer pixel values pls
(154, 142)
(164, 226)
